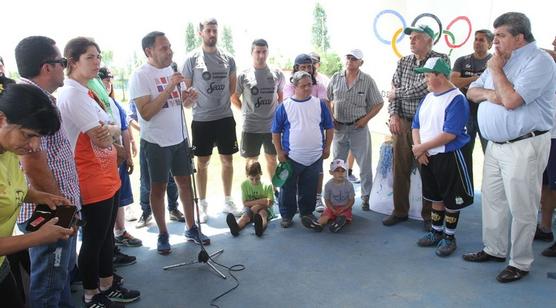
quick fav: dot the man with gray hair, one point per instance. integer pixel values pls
(302, 133)
(212, 72)
(517, 95)
(408, 88)
(356, 100)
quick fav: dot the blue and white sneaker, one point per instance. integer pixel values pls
(194, 235)
(163, 246)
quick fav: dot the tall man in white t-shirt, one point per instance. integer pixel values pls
(212, 72)
(160, 95)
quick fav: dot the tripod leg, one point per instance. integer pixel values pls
(217, 253)
(178, 265)
(216, 270)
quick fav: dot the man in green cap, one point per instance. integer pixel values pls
(408, 88)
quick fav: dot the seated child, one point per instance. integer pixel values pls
(257, 201)
(339, 197)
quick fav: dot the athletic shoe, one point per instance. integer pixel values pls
(117, 280)
(446, 246)
(352, 178)
(338, 224)
(230, 207)
(144, 220)
(101, 301)
(286, 222)
(258, 222)
(319, 206)
(163, 245)
(203, 217)
(121, 295)
(128, 240)
(310, 222)
(540, 235)
(365, 204)
(431, 238)
(550, 251)
(194, 235)
(232, 224)
(176, 215)
(121, 259)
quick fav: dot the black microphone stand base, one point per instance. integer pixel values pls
(203, 257)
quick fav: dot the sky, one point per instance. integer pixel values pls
(119, 25)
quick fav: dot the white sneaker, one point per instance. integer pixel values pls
(319, 206)
(230, 207)
(352, 178)
(203, 216)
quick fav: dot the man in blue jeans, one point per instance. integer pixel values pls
(52, 169)
(302, 133)
(145, 185)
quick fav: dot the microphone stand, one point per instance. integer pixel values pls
(203, 256)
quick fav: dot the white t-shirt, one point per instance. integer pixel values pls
(166, 127)
(79, 111)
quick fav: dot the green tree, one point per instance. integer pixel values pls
(320, 30)
(192, 40)
(330, 63)
(227, 40)
(107, 57)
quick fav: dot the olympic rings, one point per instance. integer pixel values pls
(399, 35)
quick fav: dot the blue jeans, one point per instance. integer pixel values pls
(50, 268)
(145, 187)
(302, 183)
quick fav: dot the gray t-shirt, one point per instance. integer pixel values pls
(259, 88)
(338, 193)
(210, 74)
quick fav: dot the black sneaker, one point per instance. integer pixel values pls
(338, 224)
(232, 223)
(176, 215)
(310, 222)
(117, 280)
(121, 294)
(550, 251)
(121, 259)
(258, 222)
(540, 235)
(101, 301)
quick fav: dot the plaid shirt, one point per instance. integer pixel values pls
(61, 163)
(410, 87)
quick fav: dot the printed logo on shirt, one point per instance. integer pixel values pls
(174, 97)
(206, 76)
(254, 91)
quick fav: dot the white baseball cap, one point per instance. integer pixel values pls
(337, 163)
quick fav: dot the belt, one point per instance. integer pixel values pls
(528, 135)
(349, 123)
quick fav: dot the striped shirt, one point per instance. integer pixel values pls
(61, 163)
(410, 87)
(351, 104)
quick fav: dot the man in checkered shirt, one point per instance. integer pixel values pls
(408, 89)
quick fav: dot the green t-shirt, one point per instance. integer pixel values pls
(251, 192)
(13, 189)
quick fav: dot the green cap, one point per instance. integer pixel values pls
(282, 174)
(420, 28)
(435, 65)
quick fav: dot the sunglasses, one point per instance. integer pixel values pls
(63, 62)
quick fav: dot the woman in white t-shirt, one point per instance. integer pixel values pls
(87, 122)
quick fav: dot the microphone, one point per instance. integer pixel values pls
(175, 69)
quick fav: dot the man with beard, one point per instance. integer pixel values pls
(212, 72)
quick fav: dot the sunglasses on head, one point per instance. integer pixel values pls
(62, 61)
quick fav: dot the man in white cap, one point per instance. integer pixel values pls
(356, 100)
(408, 88)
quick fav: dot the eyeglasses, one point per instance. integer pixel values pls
(351, 58)
(63, 62)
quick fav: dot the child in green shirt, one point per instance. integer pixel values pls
(257, 203)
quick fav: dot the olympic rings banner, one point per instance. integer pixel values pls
(393, 39)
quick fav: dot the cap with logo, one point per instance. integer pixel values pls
(435, 65)
(420, 28)
(283, 172)
(337, 163)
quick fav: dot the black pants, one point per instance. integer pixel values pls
(97, 247)
(9, 293)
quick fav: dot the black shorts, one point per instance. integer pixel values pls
(162, 160)
(251, 144)
(446, 179)
(549, 174)
(220, 133)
